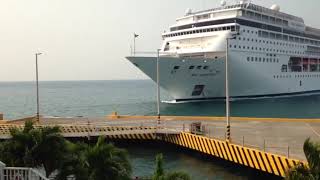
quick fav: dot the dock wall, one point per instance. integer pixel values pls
(256, 159)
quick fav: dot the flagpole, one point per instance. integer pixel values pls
(134, 44)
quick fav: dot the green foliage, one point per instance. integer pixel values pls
(299, 172)
(74, 162)
(177, 176)
(310, 172)
(34, 148)
(108, 162)
(100, 162)
(159, 173)
(46, 148)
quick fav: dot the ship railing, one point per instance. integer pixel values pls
(19, 173)
(154, 54)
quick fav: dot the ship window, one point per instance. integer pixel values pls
(176, 67)
(191, 67)
(248, 58)
(295, 64)
(272, 35)
(279, 21)
(284, 68)
(272, 19)
(205, 67)
(199, 67)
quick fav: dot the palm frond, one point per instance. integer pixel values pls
(312, 153)
(177, 175)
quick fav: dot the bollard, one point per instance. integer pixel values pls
(264, 145)
(183, 127)
(114, 115)
(1, 116)
(288, 155)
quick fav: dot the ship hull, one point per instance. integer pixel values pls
(200, 79)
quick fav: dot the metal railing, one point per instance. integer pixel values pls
(19, 173)
(263, 144)
(154, 53)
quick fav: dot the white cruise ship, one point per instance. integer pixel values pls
(270, 53)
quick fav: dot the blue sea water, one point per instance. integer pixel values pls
(99, 98)
(138, 97)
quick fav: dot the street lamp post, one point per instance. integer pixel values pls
(228, 133)
(158, 87)
(37, 82)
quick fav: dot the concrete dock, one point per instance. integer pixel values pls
(280, 136)
(266, 144)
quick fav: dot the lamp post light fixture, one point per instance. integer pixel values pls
(37, 84)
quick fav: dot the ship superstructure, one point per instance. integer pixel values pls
(270, 53)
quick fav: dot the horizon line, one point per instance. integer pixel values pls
(75, 80)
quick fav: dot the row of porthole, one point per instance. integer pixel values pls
(272, 42)
(260, 59)
(297, 76)
(307, 76)
(265, 49)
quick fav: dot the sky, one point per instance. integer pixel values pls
(89, 39)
